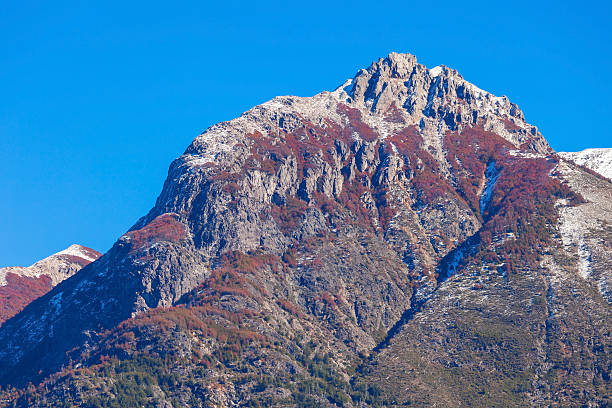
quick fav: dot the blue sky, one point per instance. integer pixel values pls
(98, 99)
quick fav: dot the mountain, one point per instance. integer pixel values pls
(407, 239)
(20, 285)
(598, 160)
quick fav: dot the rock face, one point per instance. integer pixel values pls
(20, 285)
(598, 160)
(405, 239)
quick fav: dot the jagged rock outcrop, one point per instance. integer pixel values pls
(397, 240)
(20, 285)
(438, 100)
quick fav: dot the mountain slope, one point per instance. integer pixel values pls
(20, 285)
(407, 226)
(598, 160)
(525, 335)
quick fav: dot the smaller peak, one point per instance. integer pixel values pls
(81, 252)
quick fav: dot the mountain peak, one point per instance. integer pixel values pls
(387, 222)
(398, 65)
(80, 251)
(57, 266)
(400, 80)
(393, 93)
(21, 285)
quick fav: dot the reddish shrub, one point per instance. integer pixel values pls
(165, 227)
(356, 123)
(289, 215)
(290, 307)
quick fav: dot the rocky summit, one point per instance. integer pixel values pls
(407, 239)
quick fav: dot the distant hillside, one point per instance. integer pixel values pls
(20, 285)
(598, 160)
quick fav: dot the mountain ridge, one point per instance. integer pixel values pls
(297, 251)
(20, 285)
(596, 159)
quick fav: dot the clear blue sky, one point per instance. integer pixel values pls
(97, 100)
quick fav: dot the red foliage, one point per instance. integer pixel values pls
(238, 274)
(356, 123)
(329, 300)
(327, 205)
(200, 319)
(165, 227)
(289, 257)
(19, 292)
(469, 153)
(393, 114)
(289, 215)
(523, 206)
(408, 142)
(385, 211)
(427, 180)
(290, 307)
(200, 313)
(268, 152)
(231, 187)
(350, 198)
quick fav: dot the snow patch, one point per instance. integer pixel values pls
(343, 91)
(572, 235)
(78, 251)
(598, 160)
(491, 174)
(526, 155)
(212, 144)
(435, 71)
(55, 266)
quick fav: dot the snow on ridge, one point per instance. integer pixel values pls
(18, 270)
(435, 71)
(79, 251)
(216, 144)
(343, 90)
(596, 159)
(526, 155)
(216, 141)
(478, 93)
(54, 266)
